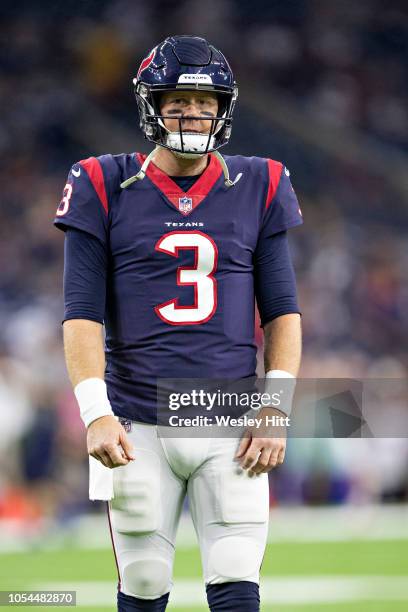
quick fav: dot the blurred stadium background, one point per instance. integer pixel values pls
(323, 88)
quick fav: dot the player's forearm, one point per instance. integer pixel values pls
(85, 358)
(84, 350)
(283, 344)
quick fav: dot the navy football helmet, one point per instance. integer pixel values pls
(190, 63)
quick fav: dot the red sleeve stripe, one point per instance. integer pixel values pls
(94, 170)
(275, 171)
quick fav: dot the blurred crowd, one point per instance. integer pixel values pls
(65, 74)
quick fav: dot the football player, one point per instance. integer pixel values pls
(166, 253)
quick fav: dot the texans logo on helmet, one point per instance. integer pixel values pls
(146, 62)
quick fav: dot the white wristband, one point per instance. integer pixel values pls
(93, 401)
(278, 374)
(288, 388)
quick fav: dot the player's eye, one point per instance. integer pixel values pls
(208, 103)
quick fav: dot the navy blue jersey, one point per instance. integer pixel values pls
(180, 294)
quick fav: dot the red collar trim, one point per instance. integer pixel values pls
(197, 192)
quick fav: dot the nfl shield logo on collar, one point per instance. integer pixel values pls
(185, 204)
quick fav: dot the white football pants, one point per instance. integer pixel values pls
(229, 509)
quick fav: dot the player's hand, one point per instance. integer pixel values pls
(262, 449)
(107, 441)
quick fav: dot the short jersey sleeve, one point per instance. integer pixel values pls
(282, 209)
(84, 203)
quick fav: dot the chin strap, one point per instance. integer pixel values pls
(227, 180)
(142, 172)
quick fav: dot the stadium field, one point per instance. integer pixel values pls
(339, 576)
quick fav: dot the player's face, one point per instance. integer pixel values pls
(196, 104)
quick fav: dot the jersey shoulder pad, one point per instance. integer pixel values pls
(257, 167)
(87, 196)
(274, 174)
(95, 171)
(281, 206)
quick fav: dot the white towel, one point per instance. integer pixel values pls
(100, 481)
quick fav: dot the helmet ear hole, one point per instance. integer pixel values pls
(156, 97)
(223, 102)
